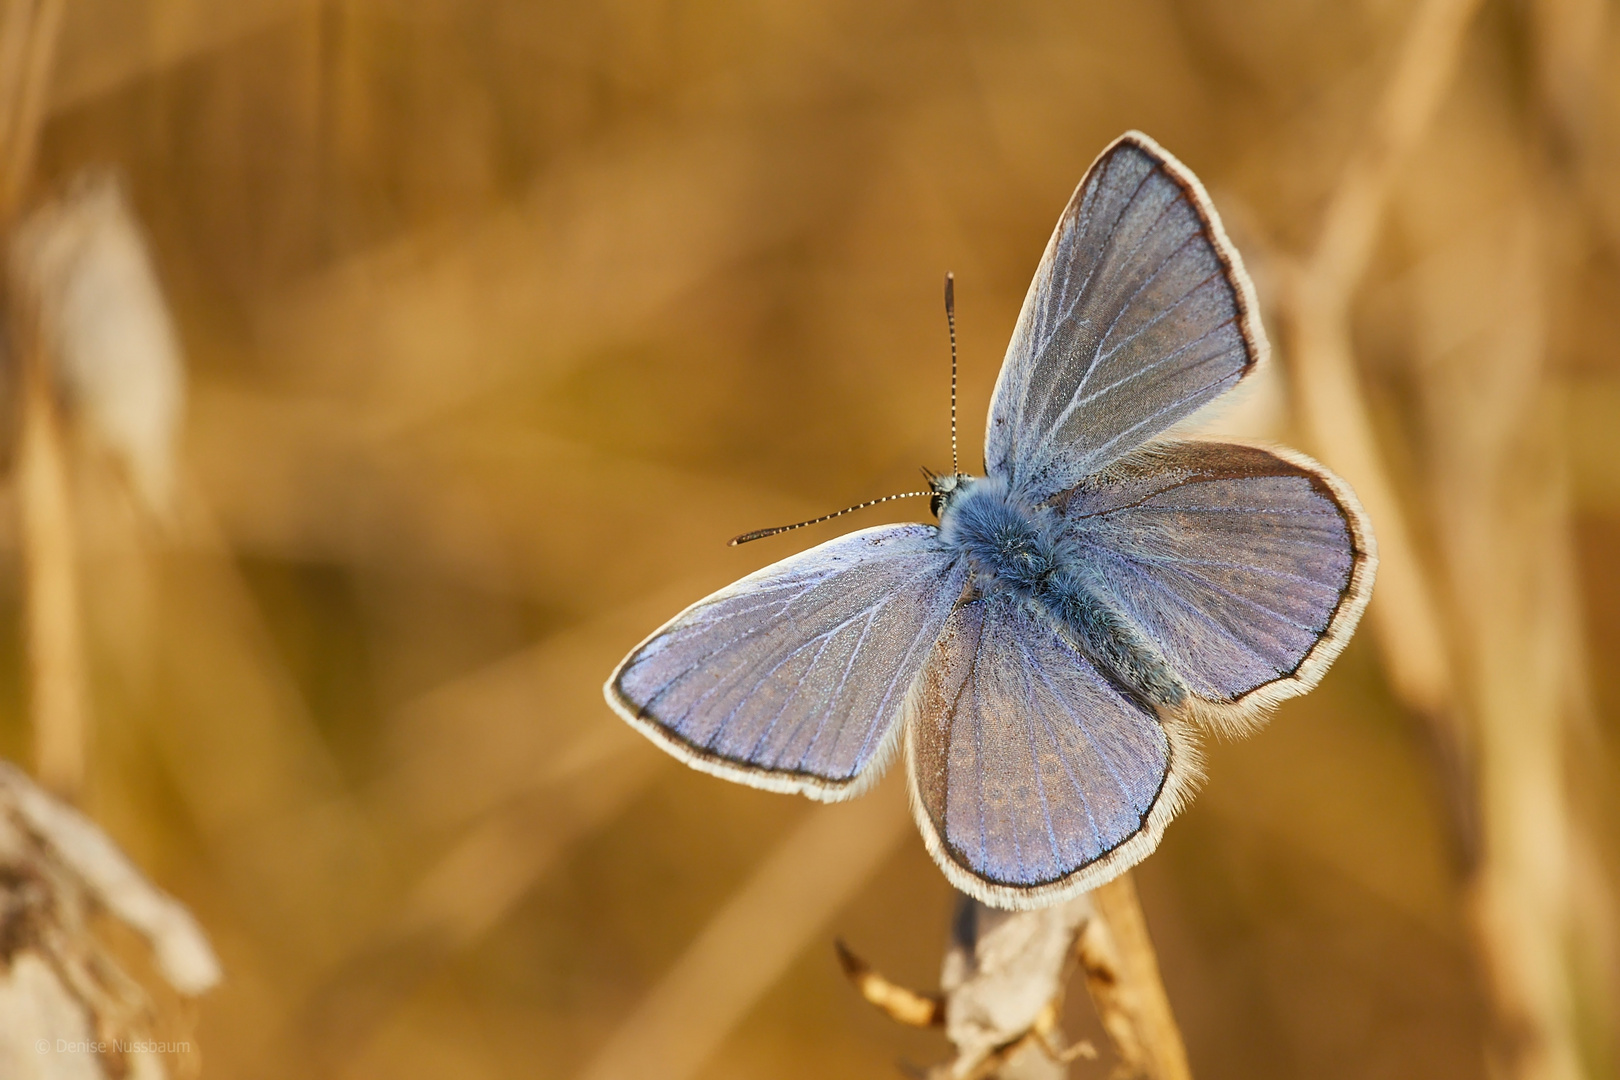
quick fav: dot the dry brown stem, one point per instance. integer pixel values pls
(901, 1004)
(1328, 396)
(1331, 407)
(56, 680)
(752, 938)
(28, 32)
(1504, 514)
(1122, 973)
(1503, 767)
(1006, 975)
(1004, 980)
(60, 987)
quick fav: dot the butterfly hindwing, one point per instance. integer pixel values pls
(1139, 314)
(794, 678)
(1032, 776)
(1248, 568)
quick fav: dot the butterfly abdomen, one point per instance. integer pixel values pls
(1016, 548)
(1112, 640)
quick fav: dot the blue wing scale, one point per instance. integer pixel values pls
(794, 678)
(1032, 775)
(1140, 314)
(1247, 567)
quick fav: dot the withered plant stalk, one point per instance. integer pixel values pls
(1005, 978)
(56, 685)
(1125, 984)
(1501, 771)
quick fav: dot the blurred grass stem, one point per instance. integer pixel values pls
(1501, 772)
(28, 33)
(1122, 974)
(50, 549)
(1328, 395)
(753, 938)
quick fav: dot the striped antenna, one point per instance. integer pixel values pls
(950, 320)
(760, 534)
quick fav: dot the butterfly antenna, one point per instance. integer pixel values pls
(760, 534)
(950, 320)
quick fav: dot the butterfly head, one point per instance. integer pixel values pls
(947, 489)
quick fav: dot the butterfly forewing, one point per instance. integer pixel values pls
(794, 678)
(1248, 568)
(1033, 776)
(1140, 313)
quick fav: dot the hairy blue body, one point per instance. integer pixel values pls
(1018, 548)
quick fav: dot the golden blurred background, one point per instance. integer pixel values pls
(499, 317)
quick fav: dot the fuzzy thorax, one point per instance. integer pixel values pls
(1019, 548)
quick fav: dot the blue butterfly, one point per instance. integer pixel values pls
(1047, 652)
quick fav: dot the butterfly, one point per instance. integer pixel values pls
(1048, 652)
